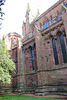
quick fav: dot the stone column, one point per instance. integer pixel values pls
(20, 81)
(39, 52)
(42, 76)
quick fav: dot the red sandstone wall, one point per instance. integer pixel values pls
(47, 71)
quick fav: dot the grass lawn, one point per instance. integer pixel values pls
(18, 97)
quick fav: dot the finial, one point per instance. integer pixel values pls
(28, 8)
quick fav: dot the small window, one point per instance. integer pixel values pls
(55, 52)
(32, 33)
(15, 40)
(59, 18)
(41, 27)
(51, 21)
(46, 25)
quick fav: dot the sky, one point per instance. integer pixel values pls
(15, 12)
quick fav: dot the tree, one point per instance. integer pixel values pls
(6, 65)
(1, 13)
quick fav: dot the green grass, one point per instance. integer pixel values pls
(18, 97)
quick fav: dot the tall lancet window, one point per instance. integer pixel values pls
(63, 48)
(32, 57)
(55, 52)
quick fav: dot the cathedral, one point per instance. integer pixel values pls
(41, 55)
(44, 48)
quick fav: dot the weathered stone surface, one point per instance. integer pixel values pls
(47, 71)
(37, 71)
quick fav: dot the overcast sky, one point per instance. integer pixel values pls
(15, 11)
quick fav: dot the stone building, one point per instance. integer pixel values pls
(44, 51)
(41, 58)
(13, 42)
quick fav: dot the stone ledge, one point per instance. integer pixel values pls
(52, 84)
(17, 75)
(45, 70)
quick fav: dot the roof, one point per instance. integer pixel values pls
(48, 10)
(13, 34)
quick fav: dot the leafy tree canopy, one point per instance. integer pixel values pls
(6, 64)
(1, 13)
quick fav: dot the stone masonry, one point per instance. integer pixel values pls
(45, 51)
(41, 56)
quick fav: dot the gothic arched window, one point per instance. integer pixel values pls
(55, 52)
(32, 56)
(63, 48)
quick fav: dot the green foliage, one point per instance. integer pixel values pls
(1, 13)
(6, 65)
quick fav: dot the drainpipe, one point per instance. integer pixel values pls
(23, 72)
